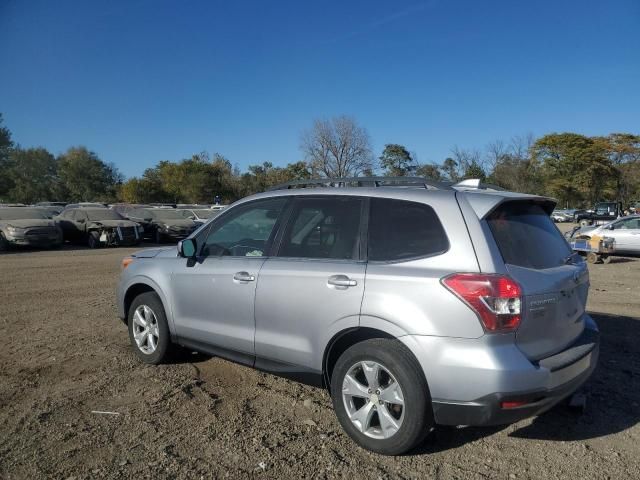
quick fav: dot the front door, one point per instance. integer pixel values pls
(213, 296)
(313, 286)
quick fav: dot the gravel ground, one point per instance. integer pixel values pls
(65, 355)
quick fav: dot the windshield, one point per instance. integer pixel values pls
(166, 214)
(98, 214)
(520, 228)
(22, 214)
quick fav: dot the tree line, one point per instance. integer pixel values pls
(576, 169)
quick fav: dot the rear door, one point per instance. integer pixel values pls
(315, 282)
(554, 282)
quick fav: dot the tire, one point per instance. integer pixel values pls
(593, 257)
(606, 259)
(93, 240)
(413, 420)
(150, 303)
(584, 223)
(4, 245)
(158, 236)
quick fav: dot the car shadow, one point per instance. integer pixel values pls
(615, 259)
(613, 404)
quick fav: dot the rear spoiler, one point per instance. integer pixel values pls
(476, 184)
(485, 202)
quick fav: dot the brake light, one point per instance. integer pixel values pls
(496, 299)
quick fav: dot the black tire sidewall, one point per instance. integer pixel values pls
(162, 351)
(158, 236)
(418, 413)
(93, 240)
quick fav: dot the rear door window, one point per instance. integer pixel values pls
(527, 237)
(401, 230)
(327, 227)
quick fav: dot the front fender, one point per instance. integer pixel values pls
(127, 284)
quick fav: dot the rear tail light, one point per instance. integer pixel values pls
(496, 299)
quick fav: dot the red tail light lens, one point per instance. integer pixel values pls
(496, 299)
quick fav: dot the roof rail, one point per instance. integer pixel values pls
(364, 182)
(476, 184)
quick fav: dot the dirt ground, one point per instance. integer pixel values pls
(65, 354)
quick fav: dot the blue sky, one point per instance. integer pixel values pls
(145, 80)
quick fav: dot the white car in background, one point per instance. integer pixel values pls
(625, 231)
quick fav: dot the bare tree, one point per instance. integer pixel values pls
(337, 148)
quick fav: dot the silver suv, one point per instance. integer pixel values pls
(414, 303)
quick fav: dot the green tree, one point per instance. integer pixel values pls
(397, 161)
(87, 178)
(430, 171)
(450, 169)
(6, 146)
(32, 174)
(475, 170)
(576, 168)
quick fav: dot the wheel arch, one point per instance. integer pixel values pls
(138, 287)
(341, 341)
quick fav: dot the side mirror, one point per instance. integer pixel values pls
(187, 248)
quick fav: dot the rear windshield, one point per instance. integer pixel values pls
(527, 237)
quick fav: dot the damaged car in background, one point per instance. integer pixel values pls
(28, 227)
(163, 224)
(99, 227)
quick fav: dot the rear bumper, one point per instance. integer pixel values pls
(472, 389)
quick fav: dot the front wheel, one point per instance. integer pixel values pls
(93, 240)
(148, 329)
(4, 245)
(381, 397)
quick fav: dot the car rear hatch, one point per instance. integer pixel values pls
(555, 283)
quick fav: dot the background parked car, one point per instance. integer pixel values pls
(99, 227)
(199, 215)
(85, 205)
(603, 212)
(28, 226)
(625, 231)
(162, 224)
(561, 216)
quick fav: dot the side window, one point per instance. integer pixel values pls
(400, 230)
(247, 233)
(323, 228)
(628, 224)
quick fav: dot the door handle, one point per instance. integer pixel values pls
(341, 281)
(243, 277)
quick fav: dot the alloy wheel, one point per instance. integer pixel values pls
(373, 399)
(145, 329)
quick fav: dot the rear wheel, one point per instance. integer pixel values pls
(584, 223)
(381, 397)
(606, 259)
(593, 257)
(148, 329)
